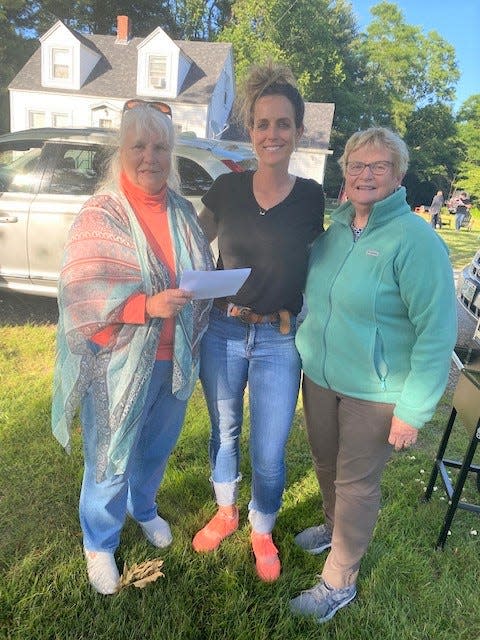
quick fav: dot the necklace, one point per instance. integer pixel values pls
(281, 192)
(357, 231)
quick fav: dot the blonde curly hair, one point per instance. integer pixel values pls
(271, 78)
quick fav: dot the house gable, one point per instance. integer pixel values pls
(66, 59)
(162, 66)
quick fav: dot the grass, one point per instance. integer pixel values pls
(407, 589)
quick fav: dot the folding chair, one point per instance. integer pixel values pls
(466, 405)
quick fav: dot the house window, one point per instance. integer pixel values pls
(36, 119)
(106, 123)
(157, 72)
(60, 64)
(60, 120)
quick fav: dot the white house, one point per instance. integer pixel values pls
(83, 81)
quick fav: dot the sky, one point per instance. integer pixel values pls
(456, 21)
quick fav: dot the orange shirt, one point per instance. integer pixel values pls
(151, 213)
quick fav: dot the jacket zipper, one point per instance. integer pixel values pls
(330, 311)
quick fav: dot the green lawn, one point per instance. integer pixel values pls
(407, 590)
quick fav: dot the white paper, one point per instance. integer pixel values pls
(213, 284)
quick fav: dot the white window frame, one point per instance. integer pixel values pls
(65, 63)
(158, 59)
(64, 116)
(32, 114)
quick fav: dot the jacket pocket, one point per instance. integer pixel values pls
(379, 362)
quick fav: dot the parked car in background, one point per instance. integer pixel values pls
(47, 174)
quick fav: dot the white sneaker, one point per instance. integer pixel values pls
(157, 531)
(102, 571)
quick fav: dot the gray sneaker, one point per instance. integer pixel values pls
(315, 539)
(322, 601)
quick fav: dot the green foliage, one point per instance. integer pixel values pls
(251, 31)
(408, 66)
(14, 52)
(435, 151)
(183, 19)
(468, 120)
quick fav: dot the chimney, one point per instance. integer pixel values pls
(124, 30)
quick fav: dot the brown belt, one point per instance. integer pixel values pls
(245, 314)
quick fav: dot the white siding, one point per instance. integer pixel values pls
(309, 163)
(77, 109)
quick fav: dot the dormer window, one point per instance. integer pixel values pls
(157, 72)
(61, 64)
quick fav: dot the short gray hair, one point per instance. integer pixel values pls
(379, 137)
(144, 119)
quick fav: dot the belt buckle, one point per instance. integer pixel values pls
(242, 313)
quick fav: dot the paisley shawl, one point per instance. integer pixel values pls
(107, 260)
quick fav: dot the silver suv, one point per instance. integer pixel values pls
(47, 174)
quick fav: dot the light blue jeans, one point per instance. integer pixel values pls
(459, 218)
(235, 354)
(104, 505)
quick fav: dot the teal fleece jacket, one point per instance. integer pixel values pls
(381, 322)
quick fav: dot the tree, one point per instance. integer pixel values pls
(182, 19)
(251, 32)
(200, 19)
(94, 16)
(411, 68)
(468, 119)
(14, 52)
(435, 151)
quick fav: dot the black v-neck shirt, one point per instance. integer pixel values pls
(275, 245)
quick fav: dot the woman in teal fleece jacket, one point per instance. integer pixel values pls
(375, 347)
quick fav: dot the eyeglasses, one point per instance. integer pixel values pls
(163, 107)
(378, 168)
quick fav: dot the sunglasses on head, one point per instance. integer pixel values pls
(158, 106)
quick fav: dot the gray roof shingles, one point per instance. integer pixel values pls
(115, 75)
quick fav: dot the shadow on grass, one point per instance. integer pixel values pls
(17, 309)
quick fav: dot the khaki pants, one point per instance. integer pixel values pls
(349, 442)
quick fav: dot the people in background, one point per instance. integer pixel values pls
(264, 219)
(435, 209)
(128, 340)
(462, 206)
(375, 346)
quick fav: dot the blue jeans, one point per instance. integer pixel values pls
(234, 354)
(104, 505)
(459, 218)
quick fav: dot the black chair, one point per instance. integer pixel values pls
(465, 405)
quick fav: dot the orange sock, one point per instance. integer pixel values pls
(267, 561)
(223, 524)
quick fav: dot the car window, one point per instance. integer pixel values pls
(194, 180)
(77, 169)
(19, 166)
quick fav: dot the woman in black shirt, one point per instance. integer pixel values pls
(266, 220)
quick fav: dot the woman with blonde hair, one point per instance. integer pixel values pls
(264, 219)
(375, 346)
